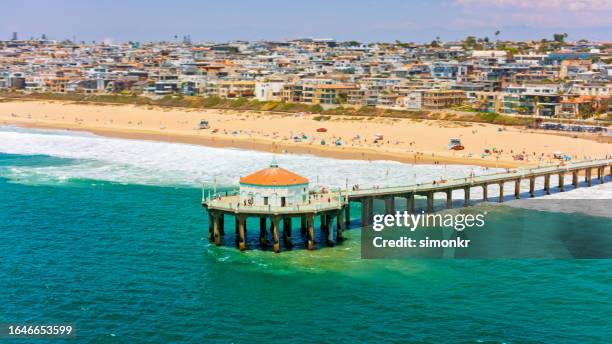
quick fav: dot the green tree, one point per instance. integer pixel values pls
(470, 41)
(560, 37)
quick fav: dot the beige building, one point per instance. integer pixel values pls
(442, 99)
(235, 88)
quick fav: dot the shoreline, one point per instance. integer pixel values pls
(271, 147)
(405, 140)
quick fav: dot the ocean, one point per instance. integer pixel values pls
(109, 235)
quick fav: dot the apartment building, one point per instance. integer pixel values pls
(235, 88)
(442, 99)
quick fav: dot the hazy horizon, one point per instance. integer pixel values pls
(364, 21)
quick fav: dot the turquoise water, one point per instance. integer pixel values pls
(131, 263)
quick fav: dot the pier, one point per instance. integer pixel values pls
(334, 207)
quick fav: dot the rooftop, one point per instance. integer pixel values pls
(273, 176)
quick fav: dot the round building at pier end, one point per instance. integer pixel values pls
(273, 186)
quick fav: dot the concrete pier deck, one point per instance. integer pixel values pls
(335, 205)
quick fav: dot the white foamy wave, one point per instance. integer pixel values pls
(594, 200)
(597, 191)
(162, 163)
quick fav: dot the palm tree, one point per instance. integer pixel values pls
(497, 37)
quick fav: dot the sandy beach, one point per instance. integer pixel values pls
(402, 140)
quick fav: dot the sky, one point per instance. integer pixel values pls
(360, 20)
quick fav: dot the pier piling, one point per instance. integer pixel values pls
(517, 188)
(485, 192)
(310, 234)
(211, 236)
(466, 196)
(589, 177)
(532, 187)
(347, 215)
(329, 234)
(575, 179)
(263, 232)
(561, 182)
(547, 184)
(449, 199)
(303, 226)
(430, 202)
(410, 203)
(274, 229)
(222, 224)
(237, 229)
(216, 230)
(340, 226)
(390, 205)
(241, 222)
(367, 203)
(287, 232)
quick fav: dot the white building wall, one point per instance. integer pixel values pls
(266, 91)
(593, 90)
(294, 195)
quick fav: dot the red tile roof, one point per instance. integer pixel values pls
(273, 176)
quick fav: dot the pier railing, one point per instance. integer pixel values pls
(493, 178)
(232, 204)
